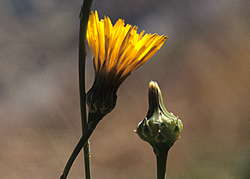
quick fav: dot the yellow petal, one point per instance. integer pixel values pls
(119, 49)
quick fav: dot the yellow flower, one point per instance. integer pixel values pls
(117, 51)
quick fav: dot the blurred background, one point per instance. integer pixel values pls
(202, 70)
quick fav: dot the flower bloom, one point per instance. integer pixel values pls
(117, 51)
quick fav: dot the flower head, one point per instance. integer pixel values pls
(160, 128)
(117, 51)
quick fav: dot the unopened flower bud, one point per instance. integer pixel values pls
(160, 128)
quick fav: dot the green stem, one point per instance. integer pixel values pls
(84, 16)
(161, 158)
(78, 148)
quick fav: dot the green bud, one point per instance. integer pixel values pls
(160, 128)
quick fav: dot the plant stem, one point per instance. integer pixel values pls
(78, 148)
(161, 164)
(84, 16)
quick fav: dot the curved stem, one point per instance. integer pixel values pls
(84, 16)
(161, 164)
(79, 146)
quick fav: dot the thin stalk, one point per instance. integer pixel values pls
(78, 148)
(75, 153)
(161, 164)
(84, 16)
